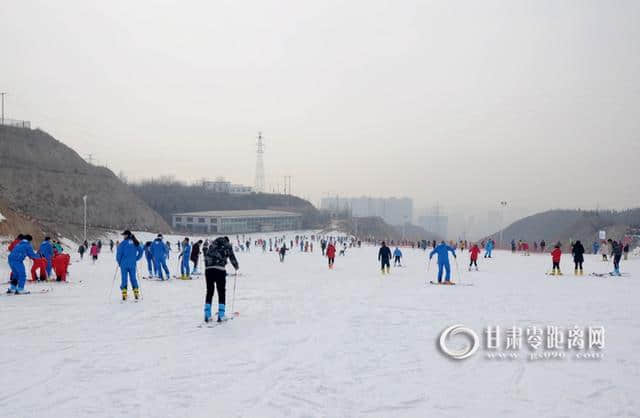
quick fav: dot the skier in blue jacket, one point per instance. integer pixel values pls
(488, 248)
(46, 251)
(185, 254)
(149, 257)
(16, 262)
(159, 253)
(442, 250)
(397, 255)
(128, 253)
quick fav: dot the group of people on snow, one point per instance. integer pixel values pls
(49, 258)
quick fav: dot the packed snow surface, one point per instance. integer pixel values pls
(314, 342)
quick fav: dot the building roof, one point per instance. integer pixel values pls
(256, 213)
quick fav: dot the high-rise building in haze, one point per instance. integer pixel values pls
(394, 211)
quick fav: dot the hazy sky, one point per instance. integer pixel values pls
(462, 102)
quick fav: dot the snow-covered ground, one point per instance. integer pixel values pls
(2, 218)
(311, 342)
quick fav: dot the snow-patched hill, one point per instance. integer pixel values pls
(311, 342)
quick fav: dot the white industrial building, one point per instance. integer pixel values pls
(236, 221)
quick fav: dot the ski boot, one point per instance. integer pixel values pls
(207, 312)
(12, 289)
(382, 271)
(21, 291)
(136, 293)
(581, 272)
(553, 272)
(575, 273)
(124, 294)
(221, 310)
(388, 270)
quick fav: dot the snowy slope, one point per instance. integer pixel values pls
(315, 343)
(2, 218)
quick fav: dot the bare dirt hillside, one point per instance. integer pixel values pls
(43, 179)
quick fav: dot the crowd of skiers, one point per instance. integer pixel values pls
(216, 253)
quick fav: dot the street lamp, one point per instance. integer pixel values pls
(503, 205)
(84, 199)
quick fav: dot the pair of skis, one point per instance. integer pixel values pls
(215, 323)
(450, 284)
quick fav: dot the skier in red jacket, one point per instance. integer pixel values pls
(331, 254)
(60, 266)
(474, 251)
(39, 269)
(555, 258)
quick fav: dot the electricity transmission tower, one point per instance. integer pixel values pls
(259, 186)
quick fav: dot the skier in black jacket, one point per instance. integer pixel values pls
(578, 256)
(384, 256)
(215, 260)
(616, 253)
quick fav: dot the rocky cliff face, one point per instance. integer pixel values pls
(43, 179)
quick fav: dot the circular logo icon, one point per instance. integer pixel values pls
(465, 352)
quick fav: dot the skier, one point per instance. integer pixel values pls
(149, 257)
(46, 251)
(185, 254)
(596, 246)
(603, 250)
(195, 255)
(282, 252)
(474, 251)
(578, 257)
(39, 270)
(159, 255)
(488, 248)
(111, 245)
(331, 254)
(60, 265)
(81, 250)
(94, 252)
(128, 253)
(323, 246)
(442, 250)
(513, 246)
(215, 260)
(397, 255)
(625, 249)
(616, 253)
(542, 245)
(556, 254)
(16, 262)
(13, 245)
(384, 256)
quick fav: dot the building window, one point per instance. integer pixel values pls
(201, 220)
(178, 219)
(189, 219)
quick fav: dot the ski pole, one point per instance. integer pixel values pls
(458, 270)
(113, 282)
(233, 298)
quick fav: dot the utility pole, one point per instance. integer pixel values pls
(84, 199)
(503, 205)
(2, 94)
